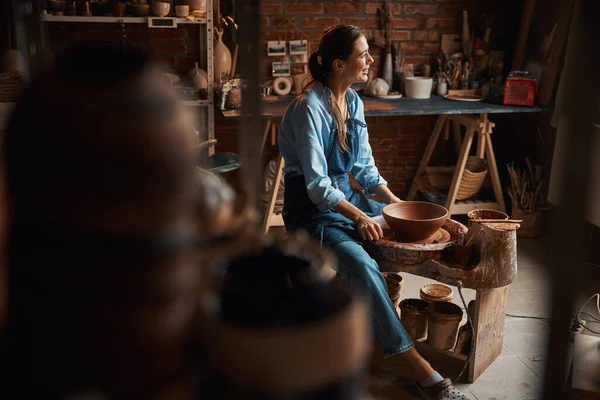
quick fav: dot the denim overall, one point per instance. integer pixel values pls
(339, 233)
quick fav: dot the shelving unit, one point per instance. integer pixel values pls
(205, 116)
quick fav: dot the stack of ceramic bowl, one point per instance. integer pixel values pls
(394, 286)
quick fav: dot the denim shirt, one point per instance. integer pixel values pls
(304, 136)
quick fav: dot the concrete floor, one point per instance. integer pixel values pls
(518, 373)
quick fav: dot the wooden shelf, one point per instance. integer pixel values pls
(127, 20)
(195, 103)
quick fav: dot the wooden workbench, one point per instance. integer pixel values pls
(473, 116)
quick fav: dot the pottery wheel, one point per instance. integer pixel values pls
(440, 236)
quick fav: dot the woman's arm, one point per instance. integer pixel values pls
(366, 226)
(385, 194)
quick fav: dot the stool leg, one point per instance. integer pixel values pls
(273, 196)
(493, 169)
(427, 155)
(460, 168)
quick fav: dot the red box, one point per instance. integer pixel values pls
(519, 90)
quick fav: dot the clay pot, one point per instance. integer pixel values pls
(442, 327)
(436, 292)
(394, 286)
(195, 5)
(412, 221)
(234, 99)
(531, 226)
(485, 214)
(161, 9)
(414, 314)
(222, 59)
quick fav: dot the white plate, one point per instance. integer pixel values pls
(390, 96)
(463, 98)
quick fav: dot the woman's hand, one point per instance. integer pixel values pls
(368, 228)
(394, 199)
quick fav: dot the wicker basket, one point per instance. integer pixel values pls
(475, 172)
(10, 86)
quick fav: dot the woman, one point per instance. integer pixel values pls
(323, 137)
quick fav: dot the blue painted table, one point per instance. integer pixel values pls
(473, 116)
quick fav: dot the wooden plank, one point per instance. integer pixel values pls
(523, 34)
(586, 367)
(460, 168)
(546, 91)
(427, 155)
(481, 137)
(264, 138)
(273, 198)
(488, 321)
(273, 134)
(493, 169)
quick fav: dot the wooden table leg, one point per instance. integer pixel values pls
(460, 168)
(481, 136)
(493, 168)
(273, 196)
(457, 136)
(427, 155)
(264, 138)
(273, 134)
(488, 321)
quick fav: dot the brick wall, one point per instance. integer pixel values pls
(175, 49)
(398, 143)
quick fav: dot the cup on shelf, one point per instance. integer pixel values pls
(182, 11)
(160, 9)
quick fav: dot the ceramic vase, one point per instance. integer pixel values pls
(387, 70)
(222, 61)
(442, 88)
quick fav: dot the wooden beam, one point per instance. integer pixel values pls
(488, 321)
(523, 34)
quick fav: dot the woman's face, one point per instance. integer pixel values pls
(356, 68)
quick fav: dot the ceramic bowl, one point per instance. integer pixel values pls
(412, 221)
(161, 9)
(139, 10)
(56, 5)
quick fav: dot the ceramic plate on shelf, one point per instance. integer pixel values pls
(463, 97)
(390, 96)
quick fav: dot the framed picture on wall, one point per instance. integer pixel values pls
(276, 48)
(298, 47)
(281, 69)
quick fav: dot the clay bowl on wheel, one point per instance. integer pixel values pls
(412, 221)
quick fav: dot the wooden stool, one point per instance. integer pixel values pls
(483, 127)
